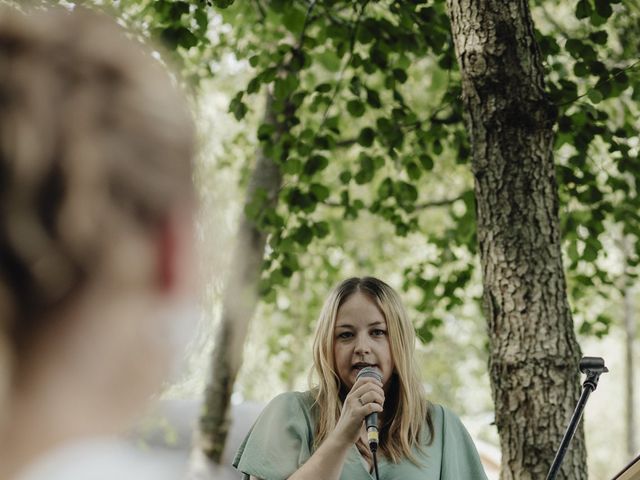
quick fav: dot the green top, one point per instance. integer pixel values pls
(281, 441)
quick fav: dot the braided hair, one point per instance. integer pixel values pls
(95, 140)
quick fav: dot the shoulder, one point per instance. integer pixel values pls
(449, 426)
(280, 439)
(292, 408)
(446, 423)
(442, 415)
(288, 400)
(435, 415)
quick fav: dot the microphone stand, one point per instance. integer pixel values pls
(593, 367)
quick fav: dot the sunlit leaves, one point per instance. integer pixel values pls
(360, 139)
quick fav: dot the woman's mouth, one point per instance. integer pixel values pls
(360, 365)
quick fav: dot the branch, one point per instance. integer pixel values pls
(438, 203)
(307, 21)
(451, 119)
(419, 206)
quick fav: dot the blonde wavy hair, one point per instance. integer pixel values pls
(96, 146)
(401, 432)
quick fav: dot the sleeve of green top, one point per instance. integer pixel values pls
(460, 459)
(278, 443)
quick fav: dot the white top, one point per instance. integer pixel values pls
(107, 459)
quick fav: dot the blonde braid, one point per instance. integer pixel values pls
(94, 140)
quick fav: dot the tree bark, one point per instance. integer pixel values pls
(629, 342)
(240, 299)
(630, 333)
(534, 354)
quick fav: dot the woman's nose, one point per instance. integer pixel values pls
(362, 344)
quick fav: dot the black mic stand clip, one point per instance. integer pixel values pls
(593, 367)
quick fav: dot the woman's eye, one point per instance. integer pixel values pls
(379, 333)
(344, 335)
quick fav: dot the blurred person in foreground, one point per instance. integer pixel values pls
(320, 434)
(96, 209)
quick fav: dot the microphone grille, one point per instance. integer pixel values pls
(371, 372)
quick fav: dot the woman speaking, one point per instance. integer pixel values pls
(321, 434)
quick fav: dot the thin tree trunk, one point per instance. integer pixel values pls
(629, 340)
(534, 354)
(630, 333)
(239, 302)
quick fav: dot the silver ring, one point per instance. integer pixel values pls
(360, 400)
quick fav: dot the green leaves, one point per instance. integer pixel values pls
(355, 108)
(223, 3)
(373, 98)
(315, 164)
(284, 87)
(368, 167)
(600, 37)
(319, 191)
(303, 235)
(595, 96)
(603, 8)
(178, 36)
(237, 107)
(583, 9)
(174, 28)
(599, 327)
(597, 11)
(580, 50)
(426, 161)
(400, 75)
(366, 136)
(293, 19)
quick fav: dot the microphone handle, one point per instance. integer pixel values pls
(371, 424)
(371, 420)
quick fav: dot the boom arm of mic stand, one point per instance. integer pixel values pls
(593, 367)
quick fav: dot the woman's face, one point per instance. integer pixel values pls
(361, 339)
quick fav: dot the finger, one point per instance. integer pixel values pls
(365, 400)
(372, 397)
(364, 407)
(365, 388)
(366, 383)
(364, 380)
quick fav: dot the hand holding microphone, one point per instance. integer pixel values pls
(365, 397)
(371, 420)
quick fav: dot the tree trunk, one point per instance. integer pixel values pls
(239, 302)
(630, 333)
(534, 354)
(629, 341)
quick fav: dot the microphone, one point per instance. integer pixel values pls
(371, 420)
